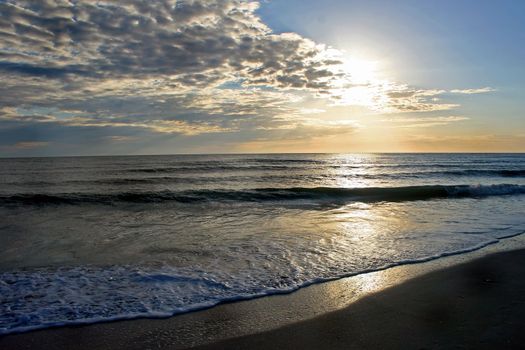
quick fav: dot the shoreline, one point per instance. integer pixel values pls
(475, 305)
(249, 318)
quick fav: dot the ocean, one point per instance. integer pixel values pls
(90, 239)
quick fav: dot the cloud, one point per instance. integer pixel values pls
(296, 135)
(425, 122)
(151, 64)
(161, 126)
(406, 99)
(176, 68)
(388, 97)
(473, 91)
(467, 143)
(181, 44)
(312, 128)
(120, 138)
(30, 144)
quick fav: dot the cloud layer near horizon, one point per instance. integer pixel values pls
(119, 70)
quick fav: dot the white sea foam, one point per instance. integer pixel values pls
(49, 297)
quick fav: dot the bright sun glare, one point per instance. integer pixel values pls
(365, 88)
(361, 70)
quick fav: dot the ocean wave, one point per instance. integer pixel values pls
(212, 167)
(173, 177)
(288, 165)
(477, 172)
(512, 173)
(316, 194)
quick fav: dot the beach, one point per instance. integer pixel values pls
(473, 300)
(249, 174)
(478, 305)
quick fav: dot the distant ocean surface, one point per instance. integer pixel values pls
(88, 239)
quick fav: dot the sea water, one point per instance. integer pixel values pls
(88, 239)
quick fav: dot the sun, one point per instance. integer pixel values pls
(361, 71)
(362, 83)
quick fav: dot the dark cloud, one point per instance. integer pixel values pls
(187, 41)
(153, 65)
(39, 71)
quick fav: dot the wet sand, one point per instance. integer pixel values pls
(453, 302)
(478, 305)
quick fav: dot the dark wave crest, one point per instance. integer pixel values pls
(211, 167)
(305, 166)
(316, 194)
(469, 172)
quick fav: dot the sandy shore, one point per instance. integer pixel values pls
(455, 302)
(478, 305)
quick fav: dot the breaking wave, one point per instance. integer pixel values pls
(316, 194)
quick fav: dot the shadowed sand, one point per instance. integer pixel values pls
(477, 304)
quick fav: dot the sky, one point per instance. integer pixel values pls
(229, 76)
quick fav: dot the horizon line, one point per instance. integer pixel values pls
(248, 153)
